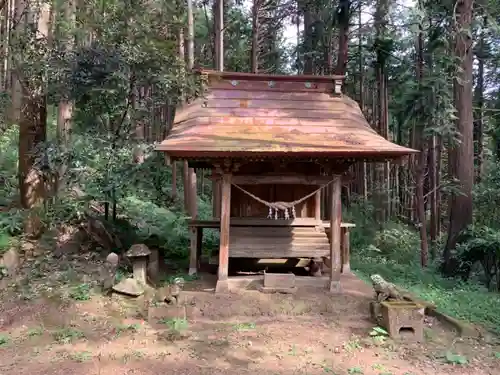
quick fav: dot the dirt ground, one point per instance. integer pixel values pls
(311, 332)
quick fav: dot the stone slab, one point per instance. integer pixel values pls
(130, 287)
(279, 280)
(266, 290)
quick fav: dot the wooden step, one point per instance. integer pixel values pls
(278, 241)
(279, 252)
(276, 232)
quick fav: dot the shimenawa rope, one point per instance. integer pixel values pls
(276, 207)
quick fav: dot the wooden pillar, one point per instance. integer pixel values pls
(215, 197)
(345, 244)
(193, 250)
(173, 193)
(335, 232)
(193, 194)
(317, 205)
(199, 242)
(185, 184)
(225, 213)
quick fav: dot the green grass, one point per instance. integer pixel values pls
(467, 301)
(5, 242)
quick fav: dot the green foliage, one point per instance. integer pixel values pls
(379, 335)
(394, 241)
(5, 241)
(80, 292)
(355, 370)
(11, 218)
(8, 165)
(378, 331)
(67, 335)
(176, 325)
(398, 262)
(455, 359)
(479, 245)
(4, 340)
(487, 198)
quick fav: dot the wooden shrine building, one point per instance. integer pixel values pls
(273, 143)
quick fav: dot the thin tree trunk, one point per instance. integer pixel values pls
(219, 65)
(479, 112)
(255, 37)
(363, 178)
(308, 59)
(433, 187)
(65, 107)
(185, 174)
(381, 169)
(439, 162)
(193, 209)
(219, 35)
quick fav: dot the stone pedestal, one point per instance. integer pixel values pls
(403, 320)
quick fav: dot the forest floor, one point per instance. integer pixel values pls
(51, 325)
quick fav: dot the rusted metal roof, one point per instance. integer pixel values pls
(243, 114)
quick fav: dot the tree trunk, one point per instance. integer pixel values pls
(65, 107)
(479, 112)
(308, 20)
(33, 166)
(461, 156)
(381, 169)
(420, 162)
(219, 34)
(16, 94)
(343, 13)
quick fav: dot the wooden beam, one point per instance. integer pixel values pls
(251, 222)
(222, 281)
(284, 179)
(335, 232)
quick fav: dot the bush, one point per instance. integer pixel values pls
(8, 165)
(393, 240)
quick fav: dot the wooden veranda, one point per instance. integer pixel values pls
(274, 144)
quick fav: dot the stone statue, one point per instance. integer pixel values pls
(384, 291)
(170, 294)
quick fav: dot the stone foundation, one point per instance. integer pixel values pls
(400, 317)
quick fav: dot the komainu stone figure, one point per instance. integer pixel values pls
(170, 294)
(383, 291)
(109, 271)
